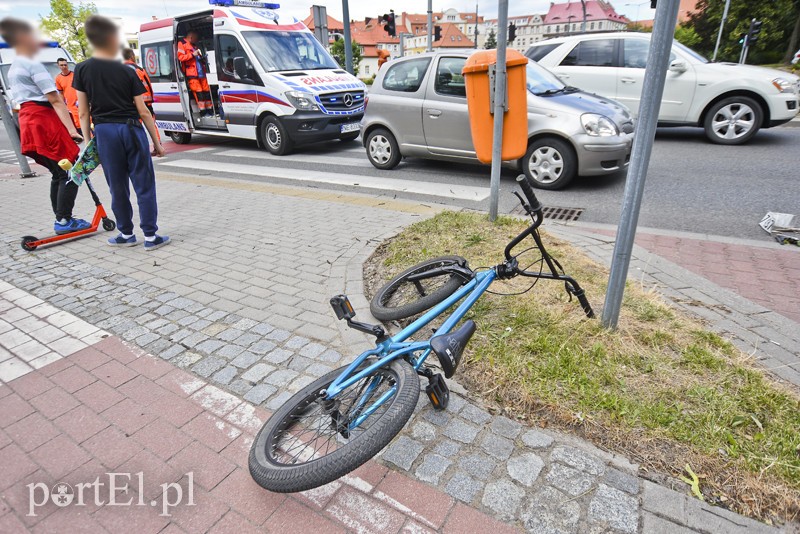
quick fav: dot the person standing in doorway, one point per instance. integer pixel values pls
(111, 94)
(47, 133)
(64, 86)
(193, 66)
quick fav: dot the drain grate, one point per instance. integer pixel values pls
(562, 214)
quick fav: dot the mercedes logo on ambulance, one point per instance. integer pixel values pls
(348, 99)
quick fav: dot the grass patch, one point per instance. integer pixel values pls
(661, 389)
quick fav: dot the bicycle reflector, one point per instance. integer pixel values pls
(342, 307)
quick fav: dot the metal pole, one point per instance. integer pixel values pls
(583, 22)
(476, 25)
(499, 107)
(13, 137)
(652, 91)
(430, 25)
(721, 26)
(348, 43)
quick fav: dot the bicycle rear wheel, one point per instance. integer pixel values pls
(401, 298)
(307, 444)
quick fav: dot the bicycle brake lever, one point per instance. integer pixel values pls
(525, 205)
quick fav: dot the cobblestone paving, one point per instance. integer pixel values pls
(543, 482)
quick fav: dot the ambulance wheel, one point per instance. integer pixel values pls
(27, 243)
(180, 138)
(108, 224)
(274, 137)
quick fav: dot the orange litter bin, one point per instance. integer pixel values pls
(481, 116)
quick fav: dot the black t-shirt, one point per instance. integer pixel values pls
(110, 87)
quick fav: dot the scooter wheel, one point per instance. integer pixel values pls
(108, 224)
(27, 243)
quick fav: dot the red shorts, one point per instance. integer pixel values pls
(42, 135)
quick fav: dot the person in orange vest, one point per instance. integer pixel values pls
(192, 65)
(64, 86)
(129, 57)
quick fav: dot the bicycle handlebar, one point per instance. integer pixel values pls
(527, 190)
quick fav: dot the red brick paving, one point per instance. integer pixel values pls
(74, 427)
(767, 276)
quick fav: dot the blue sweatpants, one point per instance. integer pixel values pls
(125, 156)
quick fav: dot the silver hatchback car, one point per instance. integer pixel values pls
(417, 107)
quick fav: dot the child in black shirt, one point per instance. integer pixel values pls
(113, 95)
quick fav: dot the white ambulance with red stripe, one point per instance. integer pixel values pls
(270, 79)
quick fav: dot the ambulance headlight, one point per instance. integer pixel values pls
(302, 101)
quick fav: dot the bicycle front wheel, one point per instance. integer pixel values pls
(310, 442)
(401, 297)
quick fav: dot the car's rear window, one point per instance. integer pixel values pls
(537, 52)
(406, 76)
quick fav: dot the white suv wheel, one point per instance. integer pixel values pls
(734, 121)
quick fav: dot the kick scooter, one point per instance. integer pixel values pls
(87, 162)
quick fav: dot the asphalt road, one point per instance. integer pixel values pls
(692, 185)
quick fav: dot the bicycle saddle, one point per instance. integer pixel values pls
(450, 347)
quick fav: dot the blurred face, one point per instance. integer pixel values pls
(28, 42)
(191, 37)
(64, 66)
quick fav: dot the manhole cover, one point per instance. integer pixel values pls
(556, 214)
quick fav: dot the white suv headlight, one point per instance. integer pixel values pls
(302, 101)
(598, 125)
(783, 85)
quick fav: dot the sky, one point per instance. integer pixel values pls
(134, 12)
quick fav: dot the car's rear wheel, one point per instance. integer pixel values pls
(382, 149)
(180, 138)
(733, 120)
(550, 163)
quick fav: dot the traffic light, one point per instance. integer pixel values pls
(512, 32)
(437, 33)
(755, 29)
(390, 27)
(742, 38)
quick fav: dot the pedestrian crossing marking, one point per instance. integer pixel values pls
(435, 189)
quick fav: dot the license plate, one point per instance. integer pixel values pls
(350, 127)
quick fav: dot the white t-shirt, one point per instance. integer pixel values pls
(29, 80)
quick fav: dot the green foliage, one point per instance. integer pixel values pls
(491, 41)
(65, 25)
(779, 17)
(687, 35)
(337, 51)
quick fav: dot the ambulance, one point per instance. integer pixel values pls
(270, 79)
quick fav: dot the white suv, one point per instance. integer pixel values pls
(731, 101)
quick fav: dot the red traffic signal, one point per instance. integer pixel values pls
(437, 33)
(390, 26)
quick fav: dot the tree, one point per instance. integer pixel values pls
(491, 41)
(779, 18)
(687, 36)
(65, 25)
(337, 51)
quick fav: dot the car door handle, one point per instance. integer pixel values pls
(434, 113)
(225, 86)
(173, 86)
(627, 80)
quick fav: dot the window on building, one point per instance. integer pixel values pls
(591, 53)
(366, 69)
(591, 25)
(406, 76)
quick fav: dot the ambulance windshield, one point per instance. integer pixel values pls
(286, 51)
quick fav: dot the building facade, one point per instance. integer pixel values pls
(530, 29)
(567, 18)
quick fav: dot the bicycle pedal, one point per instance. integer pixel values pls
(438, 392)
(342, 307)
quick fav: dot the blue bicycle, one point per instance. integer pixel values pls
(334, 425)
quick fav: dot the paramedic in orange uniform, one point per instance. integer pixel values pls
(129, 56)
(64, 86)
(192, 64)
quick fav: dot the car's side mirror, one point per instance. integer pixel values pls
(678, 66)
(240, 67)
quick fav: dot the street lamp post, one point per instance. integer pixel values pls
(348, 43)
(638, 7)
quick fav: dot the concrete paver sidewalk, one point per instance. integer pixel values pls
(107, 408)
(239, 304)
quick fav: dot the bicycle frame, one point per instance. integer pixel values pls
(398, 346)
